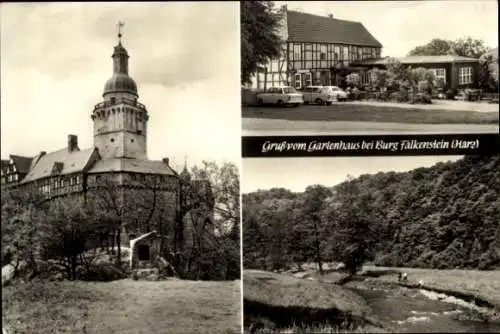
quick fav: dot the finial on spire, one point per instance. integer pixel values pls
(120, 26)
(185, 162)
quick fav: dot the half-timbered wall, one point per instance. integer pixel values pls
(306, 64)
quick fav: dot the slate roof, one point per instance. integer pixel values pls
(304, 27)
(22, 163)
(72, 162)
(132, 165)
(419, 60)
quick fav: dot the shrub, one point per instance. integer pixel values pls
(422, 98)
(398, 97)
(424, 260)
(388, 260)
(103, 272)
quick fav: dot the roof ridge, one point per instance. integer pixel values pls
(322, 16)
(20, 156)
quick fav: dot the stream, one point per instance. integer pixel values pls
(412, 310)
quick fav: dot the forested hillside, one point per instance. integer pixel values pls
(445, 216)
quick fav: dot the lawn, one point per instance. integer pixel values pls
(374, 113)
(283, 290)
(125, 307)
(483, 284)
(295, 305)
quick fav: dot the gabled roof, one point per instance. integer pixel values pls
(303, 27)
(72, 162)
(409, 60)
(22, 163)
(132, 165)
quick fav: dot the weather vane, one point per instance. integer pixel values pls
(120, 26)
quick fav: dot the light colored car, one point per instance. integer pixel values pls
(318, 95)
(281, 96)
(338, 93)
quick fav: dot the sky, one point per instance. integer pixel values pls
(402, 25)
(296, 174)
(184, 57)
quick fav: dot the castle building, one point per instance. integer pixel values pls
(147, 190)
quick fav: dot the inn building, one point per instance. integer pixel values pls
(455, 71)
(316, 50)
(322, 50)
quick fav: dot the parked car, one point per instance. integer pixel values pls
(281, 96)
(338, 93)
(318, 95)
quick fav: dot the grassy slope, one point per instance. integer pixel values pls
(124, 307)
(358, 113)
(484, 284)
(282, 290)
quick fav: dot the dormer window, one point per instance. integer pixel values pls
(113, 100)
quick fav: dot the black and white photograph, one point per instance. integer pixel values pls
(371, 244)
(120, 142)
(369, 67)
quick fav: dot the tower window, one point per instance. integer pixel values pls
(139, 132)
(113, 100)
(131, 140)
(112, 140)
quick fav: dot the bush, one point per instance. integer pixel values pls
(422, 98)
(387, 260)
(398, 97)
(424, 260)
(103, 272)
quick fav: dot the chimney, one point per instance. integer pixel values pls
(165, 161)
(330, 16)
(72, 143)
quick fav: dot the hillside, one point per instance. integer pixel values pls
(446, 216)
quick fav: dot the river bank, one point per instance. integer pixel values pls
(394, 307)
(409, 309)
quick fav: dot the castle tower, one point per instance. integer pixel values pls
(120, 122)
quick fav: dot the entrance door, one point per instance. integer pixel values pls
(308, 79)
(325, 78)
(143, 252)
(298, 81)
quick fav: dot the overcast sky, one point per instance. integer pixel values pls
(402, 25)
(296, 174)
(183, 56)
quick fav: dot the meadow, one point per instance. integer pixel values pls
(484, 285)
(123, 306)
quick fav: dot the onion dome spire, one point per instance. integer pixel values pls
(120, 82)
